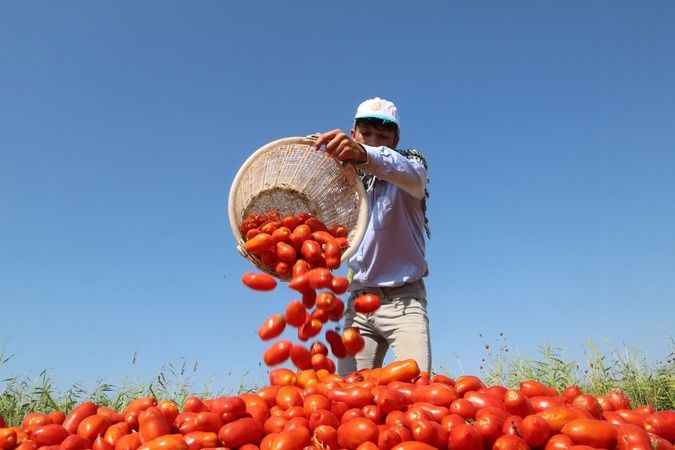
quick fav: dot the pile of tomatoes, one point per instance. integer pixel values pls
(395, 407)
(305, 250)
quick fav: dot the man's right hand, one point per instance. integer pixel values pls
(340, 145)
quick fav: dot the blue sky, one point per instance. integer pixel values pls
(549, 128)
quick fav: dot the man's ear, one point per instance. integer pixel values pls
(353, 133)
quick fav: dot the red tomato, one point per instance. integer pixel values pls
(357, 431)
(198, 440)
(259, 243)
(74, 442)
(588, 403)
(110, 414)
(272, 327)
(570, 393)
(34, 420)
(326, 300)
(339, 285)
(662, 423)
(632, 437)
(467, 383)
(295, 314)
(352, 340)
(77, 415)
(300, 267)
(592, 432)
(8, 438)
(516, 403)
(152, 424)
(51, 434)
(166, 442)
(435, 393)
(510, 442)
(309, 329)
(169, 409)
(319, 278)
(559, 442)
(534, 388)
(288, 396)
(128, 442)
(277, 353)
(558, 416)
(337, 347)
(259, 281)
(115, 432)
(310, 251)
(535, 431)
(240, 432)
(301, 357)
(93, 426)
(465, 437)
(463, 408)
(286, 253)
(366, 303)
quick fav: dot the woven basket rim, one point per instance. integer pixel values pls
(361, 222)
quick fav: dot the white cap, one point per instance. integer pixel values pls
(377, 108)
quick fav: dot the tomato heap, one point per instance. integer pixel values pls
(395, 407)
(302, 247)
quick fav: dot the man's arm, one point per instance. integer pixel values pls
(384, 163)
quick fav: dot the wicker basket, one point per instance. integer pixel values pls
(290, 176)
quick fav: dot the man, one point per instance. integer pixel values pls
(390, 261)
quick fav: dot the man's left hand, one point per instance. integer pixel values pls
(342, 146)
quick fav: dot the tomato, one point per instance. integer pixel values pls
(198, 440)
(309, 329)
(295, 314)
(140, 404)
(282, 234)
(435, 393)
(558, 416)
(259, 281)
(326, 436)
(319, 278)
(282, 377)
(277, 353)
(413, 445)
(57, 417)
(169, 409)
(300, 283)
(288, 396)
(33, 420)
(152, 424)
(387, 438)
(451, 420)
(404, 370)
(589, 404)
(337, 347)
(30, 445)
(323, 417)
(559, 442)
(240, 432)
(101, 444)
(272, 327)
(541, 403)
(128, 442)
(293, 439)
(464, 437)
(320, 314)
(388, 400)
(51, 434)
(299, 235)
(366, 303)
(300, 267)
(339, 285)
(357, 431)
(352, 340)
(534, 388)
(274, 424)
(256, 407)
(467, 383)
(8, 438)
(535, 431)
(286, 253)
(489, 426)
(77, 415)
(319, 361)
(269, 227)
(618, 399)
(592, 432)
(605, 404)
(282, 269)
(93, 426)
(481, 400)
(516, 403)
(338, 311)
(110, 414)
(74, 442)
(425, 431)
(115, 432)
(463, 407)
(510, 442)
(259, 243)
(662, 424)
(310, 251)
(657, 442)
(194, 404)
(315, 402)
(201, 421)
(326, 300)
(301, 357)
(570, 393)
(632, 437)
(166, 442)
(309, 297)
(290, 222)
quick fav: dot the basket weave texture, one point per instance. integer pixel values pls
(289, 175)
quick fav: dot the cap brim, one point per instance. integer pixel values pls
(377, 116)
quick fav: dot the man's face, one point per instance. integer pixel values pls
(369, 134)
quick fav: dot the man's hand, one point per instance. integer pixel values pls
(342, 147)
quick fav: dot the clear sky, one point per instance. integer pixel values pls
(549, 129)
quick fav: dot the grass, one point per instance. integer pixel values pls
(626, 369)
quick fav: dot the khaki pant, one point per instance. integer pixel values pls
(400, 321)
